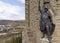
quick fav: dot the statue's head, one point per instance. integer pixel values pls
(45, 9)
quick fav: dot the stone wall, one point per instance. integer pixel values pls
(32, 33)
(56, 6)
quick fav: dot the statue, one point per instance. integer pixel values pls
(46, 23)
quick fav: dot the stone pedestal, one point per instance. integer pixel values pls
(44, 40)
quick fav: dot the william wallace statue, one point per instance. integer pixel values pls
(46, 23)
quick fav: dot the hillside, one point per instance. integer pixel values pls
(18, 22)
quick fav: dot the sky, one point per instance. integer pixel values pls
(12, 9)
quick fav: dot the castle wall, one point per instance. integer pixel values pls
(32, 33)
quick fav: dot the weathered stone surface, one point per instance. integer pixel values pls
(33, 18)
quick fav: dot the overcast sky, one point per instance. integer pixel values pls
(12, 9)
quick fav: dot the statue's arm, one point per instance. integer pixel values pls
(51, 11)
(39, 8)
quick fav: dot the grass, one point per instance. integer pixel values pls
(17, 39)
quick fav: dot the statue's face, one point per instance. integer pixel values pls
(45, 9)
(46, 5)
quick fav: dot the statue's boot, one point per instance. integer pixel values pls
(50, 39)
(43, 36)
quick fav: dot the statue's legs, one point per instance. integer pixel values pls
(42, 28)
(43, 35)
(48, 33)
